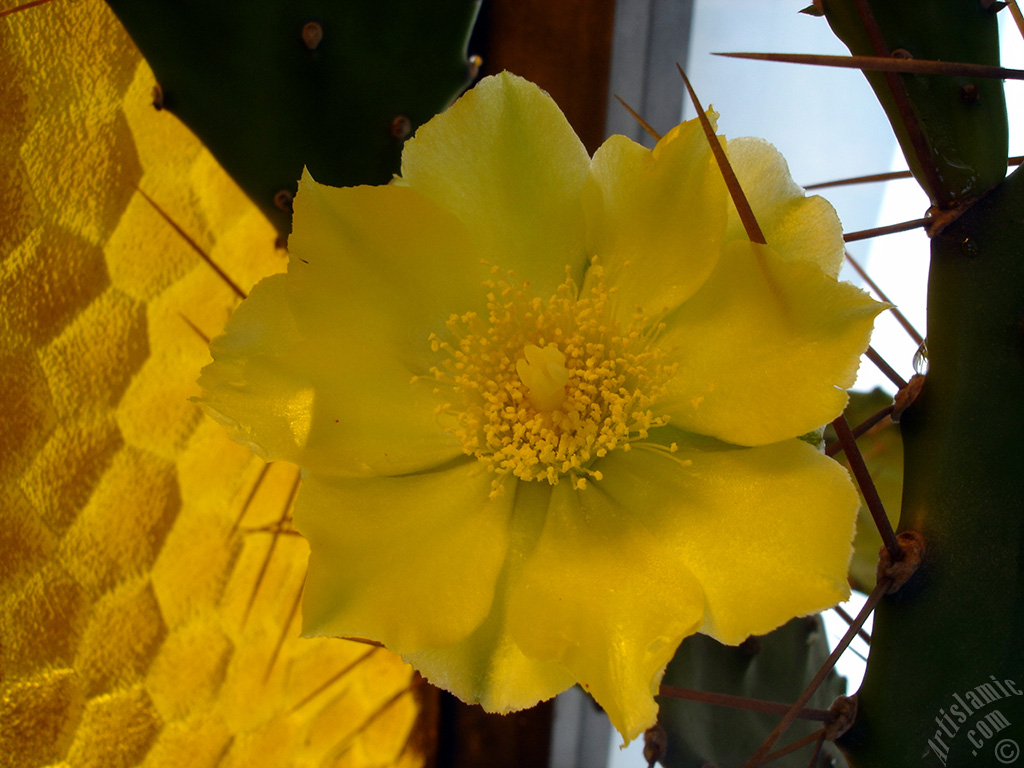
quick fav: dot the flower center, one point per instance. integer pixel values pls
(543, 388)
(543, 373)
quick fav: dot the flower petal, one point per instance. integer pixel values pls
(765, 349)
(655, 218)
(795, 226)
(606, 599)
(506, 162)
(248, 388)
(333, 405)
(383, 264)
(766, 531)
(489, 667)
(410, 561)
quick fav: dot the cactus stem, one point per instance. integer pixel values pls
(636, 116)
(753, 229)
(888, 229)
(885, 368)
(901, 98)
(887, 64)
(867, 485)
(741, 702)
(881, 588)
(194, 246)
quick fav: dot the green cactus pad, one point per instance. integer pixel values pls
(270, 87)
(773, 667)
(962, 120)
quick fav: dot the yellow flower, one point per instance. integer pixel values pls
(548, 406)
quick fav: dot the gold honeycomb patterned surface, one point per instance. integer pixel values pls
(149, 578)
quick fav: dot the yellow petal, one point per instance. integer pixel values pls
(488, 667)
(765, 349)
(505, 161)
(333, 405)
(766, 531)
(604, 597)
(409, 561)
(655, 218)
(795, 226)
(379, 265)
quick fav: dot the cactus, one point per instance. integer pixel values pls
(956, 625)
(952, 129)
(945, 676)
(272, 87)
(944, 644)
(952, 628)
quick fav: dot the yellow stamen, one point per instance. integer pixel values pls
(545, 388)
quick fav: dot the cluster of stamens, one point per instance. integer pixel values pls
(542, 388)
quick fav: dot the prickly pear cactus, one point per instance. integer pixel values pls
(271, 87)
(945, 676)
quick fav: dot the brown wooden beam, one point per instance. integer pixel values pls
(562, 45)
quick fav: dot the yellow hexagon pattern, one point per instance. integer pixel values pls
(149, 577)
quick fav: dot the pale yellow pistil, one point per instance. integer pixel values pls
(543, 388)
(544, 374)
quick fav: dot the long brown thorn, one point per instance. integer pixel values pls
(790, 748)
(746, 213)
(741, 702)
(23, 7)
(889, 229)
(885, 368)
(861, 633)
(867, 485)
(890, 176)
(1018, 18)
(900, 317)
(833, 448)
(887, 64)
(636, 116)
(194, 245)
(876, 594)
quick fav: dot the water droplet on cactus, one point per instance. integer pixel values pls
(921, 359)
